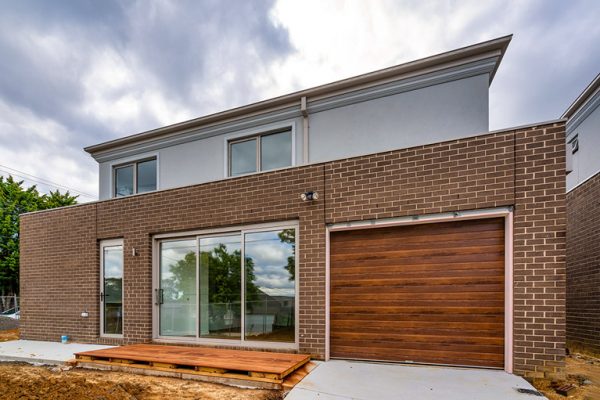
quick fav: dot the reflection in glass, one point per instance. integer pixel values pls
(146, 176)
(276, 151)
(243, 157)
(220, 287)
(124, 181)
(113, 289)
(270, 285)
(177, 296)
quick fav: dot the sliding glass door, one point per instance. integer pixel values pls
(245, 281)
(220, 287)
(270, 285)
(176, 295)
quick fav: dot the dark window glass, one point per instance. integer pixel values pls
(146, 176)
(113, 290)
(124, 181)
(276, 151)
(243, 157)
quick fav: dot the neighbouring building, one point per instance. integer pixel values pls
(372, 218)
(583, 220)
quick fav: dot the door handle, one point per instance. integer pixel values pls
(159, 296)
(103, 296)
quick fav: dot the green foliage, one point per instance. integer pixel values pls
(224, 276)
(289, 236)
(15, 200)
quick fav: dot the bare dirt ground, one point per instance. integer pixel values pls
(583, 372)
(23, 381)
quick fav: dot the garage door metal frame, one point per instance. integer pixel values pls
(505, 212)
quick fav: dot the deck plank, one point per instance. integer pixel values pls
(279, 364)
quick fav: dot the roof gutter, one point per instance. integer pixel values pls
(583, 97)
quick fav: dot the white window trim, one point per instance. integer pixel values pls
(505, 212)
(197, 235)
(123, 162)
(103, 244)
(252, 133)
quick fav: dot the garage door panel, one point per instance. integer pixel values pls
(396, 273)
(378, 254)
(394, 325)
(381, 246)
(429, 293)
(423, 230)
(392, 296)
(462, 335)
(473, 317)
(499, 303)
(401, 267)
(425, 355)
(416, 310)
(465, 281)
(375, 261)
(462, 238)
(406, 343)
(422, 289)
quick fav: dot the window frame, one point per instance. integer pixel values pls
(103, 245)
(258, 137)
(240, 230)
(134, 164)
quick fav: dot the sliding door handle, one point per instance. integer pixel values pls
(159, 296)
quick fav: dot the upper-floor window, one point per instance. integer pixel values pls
(135, 177)
(260, 153)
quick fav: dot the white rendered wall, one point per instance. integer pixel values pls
(586, 161)
(431, 114)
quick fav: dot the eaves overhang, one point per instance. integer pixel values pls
(583, 105)
(487, 53)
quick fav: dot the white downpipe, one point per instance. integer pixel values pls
(304, 110)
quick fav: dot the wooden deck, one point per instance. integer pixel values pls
(239, 365)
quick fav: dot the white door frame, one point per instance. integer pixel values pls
(103, 244)
(504, 212)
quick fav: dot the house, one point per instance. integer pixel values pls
(372, 218)
(583, 221)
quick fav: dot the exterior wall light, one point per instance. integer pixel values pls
(309, 196)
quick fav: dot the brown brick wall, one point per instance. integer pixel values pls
(583, 267)
(523, 168)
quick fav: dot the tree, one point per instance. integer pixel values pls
(15, 200)
(289, 236)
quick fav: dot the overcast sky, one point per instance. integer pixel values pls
(76, 73)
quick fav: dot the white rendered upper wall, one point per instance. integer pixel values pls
(586, 159)
(434, 99)
(431, 114)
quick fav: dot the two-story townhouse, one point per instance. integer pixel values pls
(583, 220)
(372, 218)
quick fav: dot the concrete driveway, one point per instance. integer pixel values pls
(336, 380)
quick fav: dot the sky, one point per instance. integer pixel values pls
(76, 73)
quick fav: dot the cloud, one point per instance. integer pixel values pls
(86, 72)
(76, 73)
(553, 55)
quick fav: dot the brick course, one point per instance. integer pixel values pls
(583, 267)
(522, 168)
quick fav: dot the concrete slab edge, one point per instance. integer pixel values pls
(29, 360)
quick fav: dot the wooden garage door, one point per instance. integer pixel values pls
(430, 293)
